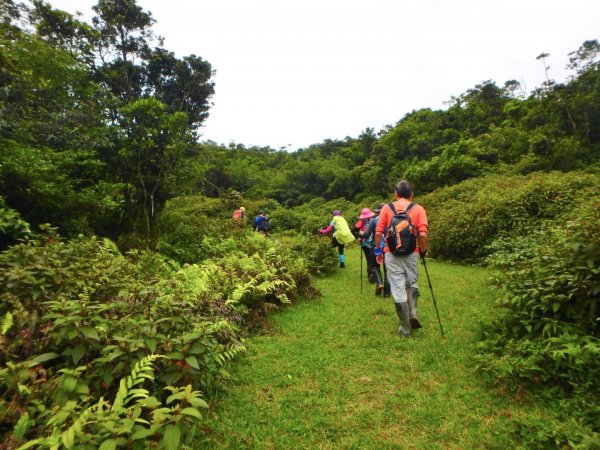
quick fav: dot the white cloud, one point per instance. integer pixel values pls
(304, 71)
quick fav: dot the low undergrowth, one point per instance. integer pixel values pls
(104, 349)
(335, 374)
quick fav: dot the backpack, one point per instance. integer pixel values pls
(369, 241)
(237, 214)
(266, 224)
(401, 235)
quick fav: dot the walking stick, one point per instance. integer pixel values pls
(360, 252)
(432, 296)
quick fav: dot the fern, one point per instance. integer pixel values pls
(142, 370)
(22, 426)
(7, 323)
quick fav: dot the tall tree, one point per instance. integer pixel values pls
(152, 146)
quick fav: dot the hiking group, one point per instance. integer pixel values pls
(260, 224)
(393, 235)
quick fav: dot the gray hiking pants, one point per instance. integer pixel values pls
(402, 273)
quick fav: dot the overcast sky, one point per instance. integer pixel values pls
(293, 73)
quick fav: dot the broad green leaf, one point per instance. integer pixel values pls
(109, 444)
(198, 402)
(142, 434)
(78, 353)
(151, 343)
(171, 437)
(191, 412)
(192, 361)
(45, 357)
(68, 437)
(90, 333)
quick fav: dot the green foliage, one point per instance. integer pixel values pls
(133, 420)
(12, 226)
(77, 315)
(547, 332)
(468, 217)
(317, 253)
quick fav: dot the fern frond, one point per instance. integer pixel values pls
(22, 426)
(7, 323)
(141, 371)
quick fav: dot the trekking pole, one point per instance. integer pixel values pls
(432, 296)
(360, 253)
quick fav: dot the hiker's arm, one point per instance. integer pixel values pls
(369, 230)
(378, 239)
(422, 240)
(381, 223)
(422, 232)
(326, 230)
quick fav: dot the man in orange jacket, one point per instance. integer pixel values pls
(403, 271)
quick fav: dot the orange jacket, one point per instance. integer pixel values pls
(417, 215)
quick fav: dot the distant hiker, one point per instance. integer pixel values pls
(379, 258)
(258, 224)
(405, 222)
(239, 216)
(366, 224)
(341, 234)
(262, 223)
(266, 225)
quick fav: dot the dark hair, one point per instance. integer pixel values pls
(404, 189)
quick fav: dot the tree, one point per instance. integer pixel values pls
(153, 142)
(182, 84)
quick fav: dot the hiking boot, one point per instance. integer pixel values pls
(402, 312)
(379, 289)
(414, 323)
(413, 294)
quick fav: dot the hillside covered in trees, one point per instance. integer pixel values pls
(114, 211)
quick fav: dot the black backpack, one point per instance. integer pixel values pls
(266, 224)
(401, 235)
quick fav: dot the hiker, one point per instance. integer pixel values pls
(341, 234)
(402, 270)
(239, 216)
(369, 220)
(258, 224)
(266, 225)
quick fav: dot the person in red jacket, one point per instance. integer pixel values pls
(403, 271)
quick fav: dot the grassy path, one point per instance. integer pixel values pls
(335, 374)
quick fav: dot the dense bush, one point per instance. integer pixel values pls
(317, 253)
(468, 217)
(12, 226)
(547, 332)
(78, 318)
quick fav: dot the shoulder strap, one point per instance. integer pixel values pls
(408, 208)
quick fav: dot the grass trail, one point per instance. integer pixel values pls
(335, 374)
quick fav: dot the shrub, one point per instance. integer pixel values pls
(467, 218)
(547, 332)
(12, 226)
(319, 257)
(77, 316)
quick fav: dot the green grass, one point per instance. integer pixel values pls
(335, 374)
